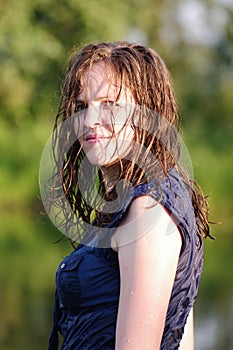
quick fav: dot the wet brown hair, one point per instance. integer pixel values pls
(145, 74)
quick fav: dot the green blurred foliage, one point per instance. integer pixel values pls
(36, 38)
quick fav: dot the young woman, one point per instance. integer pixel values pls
(138, 217)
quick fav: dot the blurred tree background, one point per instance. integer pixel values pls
(196, 40)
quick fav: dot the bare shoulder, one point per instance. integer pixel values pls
(146, 219)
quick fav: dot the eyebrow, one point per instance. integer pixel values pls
(80, 101)
(101, 98)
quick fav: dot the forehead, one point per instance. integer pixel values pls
(100, 82)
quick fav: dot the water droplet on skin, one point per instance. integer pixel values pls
(131, 293)
(128, 340)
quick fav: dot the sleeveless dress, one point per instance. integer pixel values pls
(88, 280)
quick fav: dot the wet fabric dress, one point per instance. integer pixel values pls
(88, 280)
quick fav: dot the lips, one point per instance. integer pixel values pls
(93, 138)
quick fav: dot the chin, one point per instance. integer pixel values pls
(101, 159)
(97, 161)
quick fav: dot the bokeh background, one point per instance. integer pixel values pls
(196, 40)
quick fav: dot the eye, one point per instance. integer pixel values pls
(107, 103)
(80, 106)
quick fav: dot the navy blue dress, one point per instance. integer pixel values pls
(88, 280)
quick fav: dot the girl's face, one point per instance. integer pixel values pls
(103, 121)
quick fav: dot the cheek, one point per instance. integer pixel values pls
(126, 133)
(123, 120)
(78, 128)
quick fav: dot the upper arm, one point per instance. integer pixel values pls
(148, 247)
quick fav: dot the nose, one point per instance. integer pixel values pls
(92, 117)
